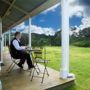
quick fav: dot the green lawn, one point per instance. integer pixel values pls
(79, 64)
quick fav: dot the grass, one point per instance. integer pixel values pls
(79, 64)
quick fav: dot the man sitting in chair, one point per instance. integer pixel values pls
(18, 52)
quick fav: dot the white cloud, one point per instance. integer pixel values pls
(34, 29)
(75, 9)
(79, 14)
(51, 9)
(85, 23)
(76, 30)
(49, 31)
(20, 26)
(40, 30)
(80, 9)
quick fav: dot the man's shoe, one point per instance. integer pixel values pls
(30, 67)
(20, 65)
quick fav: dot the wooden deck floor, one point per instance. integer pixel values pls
(20, 80)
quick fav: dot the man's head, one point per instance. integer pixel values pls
(18, 35)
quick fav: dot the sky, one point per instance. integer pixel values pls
(49, 21)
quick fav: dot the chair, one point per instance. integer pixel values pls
(39, 56)
(14, 62)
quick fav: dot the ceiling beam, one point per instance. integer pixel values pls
(9, 8)
(11, 21)
(34, 12)
(39, 9)
(16, 7)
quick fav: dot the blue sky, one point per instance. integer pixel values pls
(49, 21)
(75, 21)
(53, 19)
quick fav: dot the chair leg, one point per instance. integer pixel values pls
(38, 67)
(11, 68)
(36, 71)
(43, 75)
(47, 71)
(32, 74)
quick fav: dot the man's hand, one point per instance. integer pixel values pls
(27, 47)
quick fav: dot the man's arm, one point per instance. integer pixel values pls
(17, 46)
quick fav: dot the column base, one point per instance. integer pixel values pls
(64, 74)
(71, 75)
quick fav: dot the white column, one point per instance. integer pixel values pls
(3, 41)
(64, 73)
(1, 49)
(65, 40)
(9, 37)
(29, 31)
(6, 39)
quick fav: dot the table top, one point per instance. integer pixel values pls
(30, 50)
